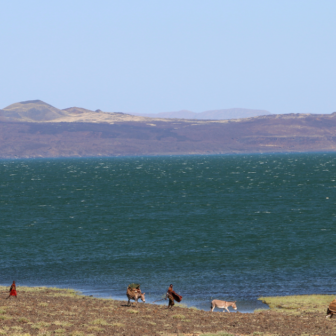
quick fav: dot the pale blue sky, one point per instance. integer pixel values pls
(155, 55)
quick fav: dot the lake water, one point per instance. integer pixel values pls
(226, 227)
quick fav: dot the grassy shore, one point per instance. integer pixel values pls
(298, 304)
(53, 311)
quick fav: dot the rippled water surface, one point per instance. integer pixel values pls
(226, 227)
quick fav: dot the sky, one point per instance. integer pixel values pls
(151, 56)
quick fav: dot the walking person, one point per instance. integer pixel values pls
(12, 290)
(172, 296)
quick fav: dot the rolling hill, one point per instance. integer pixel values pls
(37, 129)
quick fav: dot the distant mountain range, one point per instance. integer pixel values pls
(233, 113)
(39, 111)
(34, 128)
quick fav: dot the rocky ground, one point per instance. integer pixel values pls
(50, 311)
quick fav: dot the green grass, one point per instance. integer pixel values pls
(221, 333)
(40, 325)
(43, 304)
(99, 321)
(62, 323)
(258, 333)
(17, 328)
(4, 329)
(181, 305)
(77, 333)
(132, 311)
(53, 291)
(95, 328)
(297, 304)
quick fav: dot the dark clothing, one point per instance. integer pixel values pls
(171, 301)
(170, 296)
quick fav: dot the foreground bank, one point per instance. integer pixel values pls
(52, 311)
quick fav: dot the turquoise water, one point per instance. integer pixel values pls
(225, 227)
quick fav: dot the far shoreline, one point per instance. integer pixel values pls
(137, 156)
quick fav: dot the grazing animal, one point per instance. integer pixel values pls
(330, 314)
(223, 304)
(331, 309)
(135, 295)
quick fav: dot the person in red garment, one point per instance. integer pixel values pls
(172, 296)
(12, 290)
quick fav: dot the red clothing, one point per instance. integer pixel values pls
(12, 292)
(171, 294)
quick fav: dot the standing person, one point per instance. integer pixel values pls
(172, 296)
(169, 295)
(12, 291)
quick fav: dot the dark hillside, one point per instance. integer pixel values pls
(275, 133)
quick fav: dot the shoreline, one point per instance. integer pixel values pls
(259, 303)
(54, 311)
(245, 306)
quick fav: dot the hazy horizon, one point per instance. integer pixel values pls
(166, 112)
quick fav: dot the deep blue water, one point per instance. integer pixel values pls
(227, 227)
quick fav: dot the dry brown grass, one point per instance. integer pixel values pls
(297, 304)
(51, 311)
